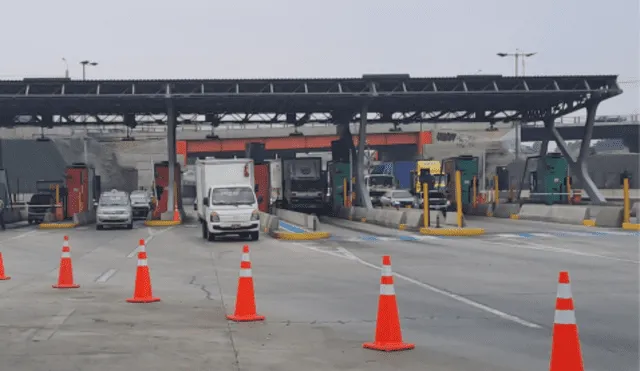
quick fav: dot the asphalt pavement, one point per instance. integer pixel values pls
(473, 303)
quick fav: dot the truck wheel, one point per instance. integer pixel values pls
(130, 226)
(98, 227)
(255, 236)
(210, 236)
(204, 230)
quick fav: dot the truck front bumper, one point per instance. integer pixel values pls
(234, 228)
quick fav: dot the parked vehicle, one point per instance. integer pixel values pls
(397, 198)
(114, 210)
(378, 185)
(226, 199)
(438, 200)
(140, 204)
(303, 185)
(38, 206)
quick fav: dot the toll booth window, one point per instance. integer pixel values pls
(232, 196)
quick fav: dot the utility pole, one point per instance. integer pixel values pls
(84, 66)
(517, 56)
(66, 70)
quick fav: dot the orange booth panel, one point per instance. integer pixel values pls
(77, 183)
(161, 172)
(261, 175)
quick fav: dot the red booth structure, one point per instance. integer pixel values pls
(80, 181)
(261, 177)
(161, 176)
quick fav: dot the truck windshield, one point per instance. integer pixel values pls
(232, 196)
(381, 181)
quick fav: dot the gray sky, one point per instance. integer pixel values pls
(298, 38)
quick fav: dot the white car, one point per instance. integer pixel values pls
(114, 210)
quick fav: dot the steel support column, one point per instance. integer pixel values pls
(171, 151)
(544, 147)
(579, 166)
(363, 195)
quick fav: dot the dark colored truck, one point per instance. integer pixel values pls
(39, 205)
(303, 186)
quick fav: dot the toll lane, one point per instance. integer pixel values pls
(518, 276)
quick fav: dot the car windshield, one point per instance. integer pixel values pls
(402, 194)
(113, 200)
(140, 196)
(232, 196)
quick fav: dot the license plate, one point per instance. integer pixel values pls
(235, 225)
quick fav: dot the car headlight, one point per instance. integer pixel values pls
(214, 217)
(255, 215)
(448, 203)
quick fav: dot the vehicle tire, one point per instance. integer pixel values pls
(204, 231)
(210, 236)
(130, 226)
(99, 227)
(255, 236)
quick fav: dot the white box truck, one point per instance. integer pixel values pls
(226, 198)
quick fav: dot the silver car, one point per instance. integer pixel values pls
(398, 198)
(140, 203)
(114, 210)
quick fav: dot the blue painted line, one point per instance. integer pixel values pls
(525, 235)
(408, 238)
(369, 238)
(291, 228)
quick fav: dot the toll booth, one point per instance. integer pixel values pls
(80, 184)
(468, 167)
(338, 172)
(548, 177)
(161, 177)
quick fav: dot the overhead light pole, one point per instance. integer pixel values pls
(517, 56)
(66, 70)
(84, 66)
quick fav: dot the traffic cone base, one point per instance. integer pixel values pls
(249, 318)
(391, 347)
(5, 278)
(66, 286)
(143, 300)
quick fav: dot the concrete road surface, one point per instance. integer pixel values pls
(468, 304)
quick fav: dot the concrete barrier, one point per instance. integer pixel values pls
(610, 217)
(635, 210)
(393, 218)
(269, 223)
(569, 214)
(452, 219)
(506, 210)
(535, 212)
(345, 213)
(84, 218)
(49, 218)
(359, 213)
(413, 219)
(307, 221)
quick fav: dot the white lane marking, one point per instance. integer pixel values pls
(152, 234)
(507, 235)
(50, 328)
(19, 236)
(24, 335)
(448, 294)
(533, 246)
(547, 235)
(104, 277)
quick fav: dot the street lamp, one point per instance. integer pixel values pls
(517, 55)
(66, 70)
(84, 66)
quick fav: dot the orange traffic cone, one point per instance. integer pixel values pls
(565, 347)
(176, 215)
(2, 276)
(142, 245)
(142, 292)
(245, 299)
(388, 333)
(65, 273)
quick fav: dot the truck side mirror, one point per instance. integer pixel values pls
(205, 201)
(260, 199)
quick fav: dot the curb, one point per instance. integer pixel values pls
(452, 231)
(304, 236)
(631, 226)
(161, 223)
(57, 225)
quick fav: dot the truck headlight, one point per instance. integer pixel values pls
(255, 215)
(214, 217)
(448, 203)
